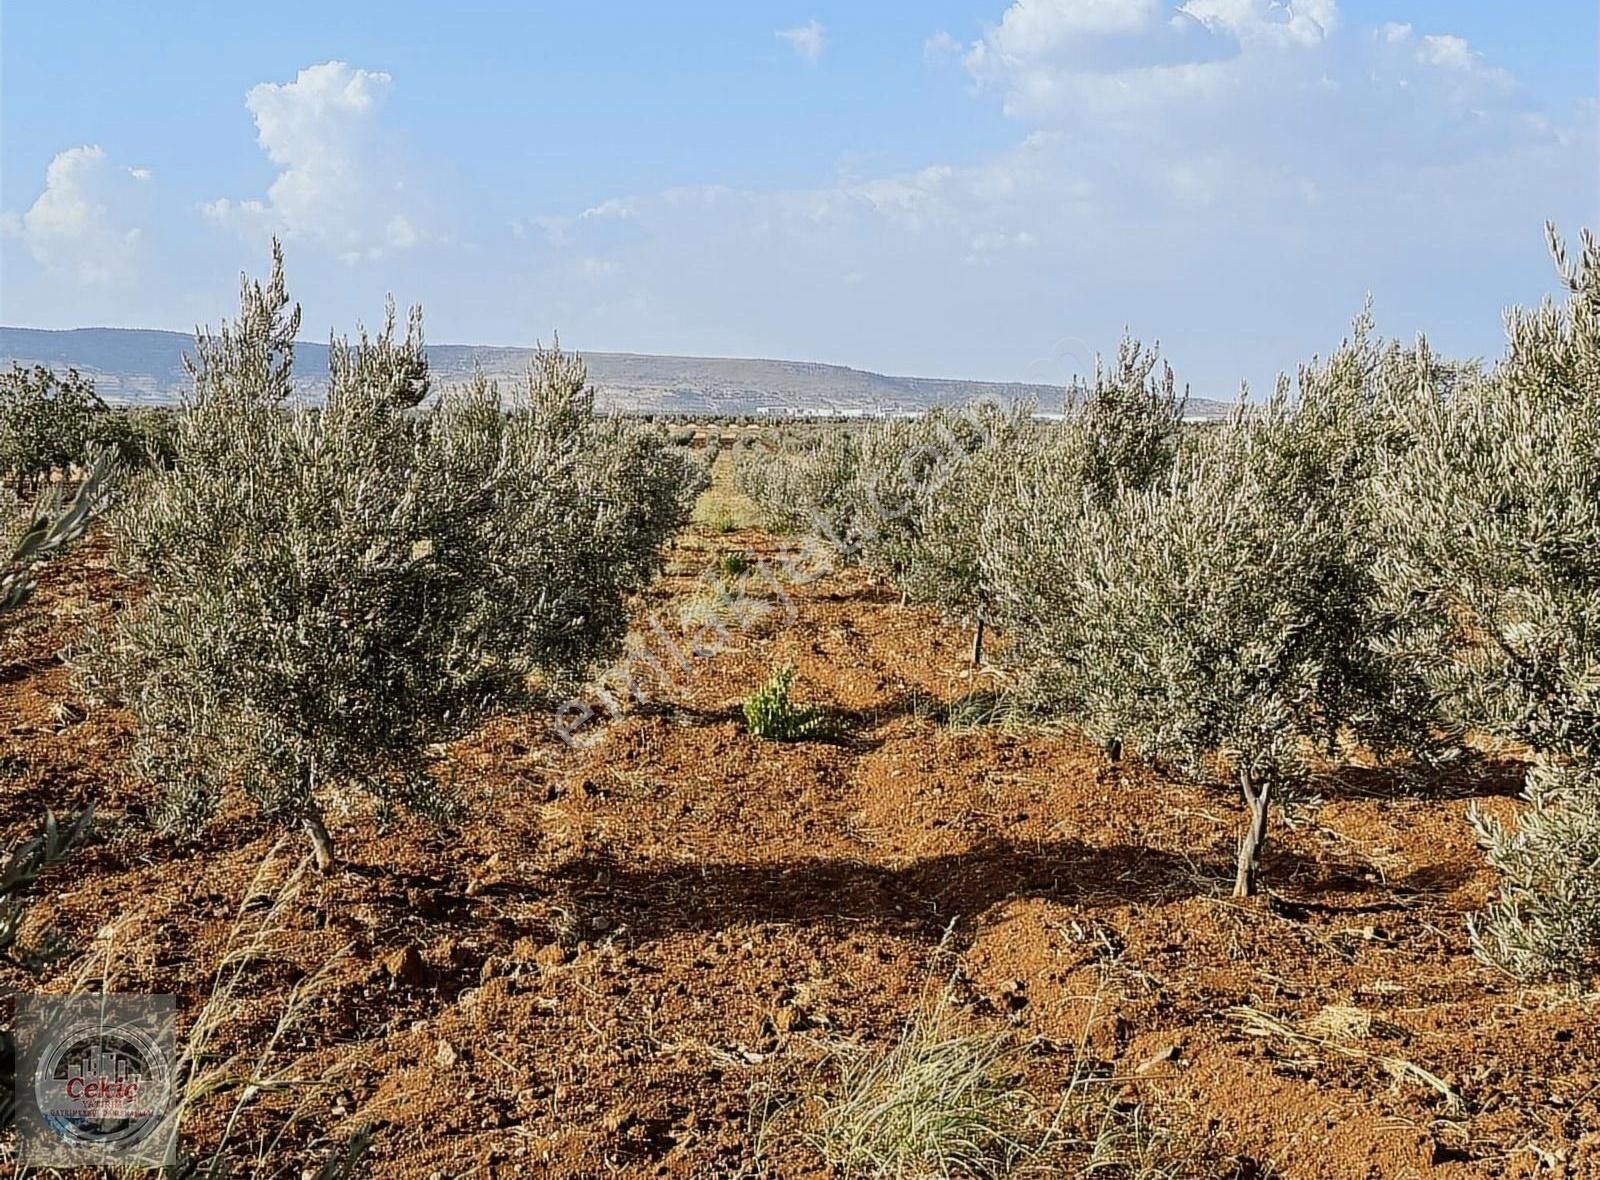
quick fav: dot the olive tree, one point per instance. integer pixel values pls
(138, 436)
(1493, 509)
(1127, 422)
(1545, 921)
(922, 487)
(46, 422)
(1122, 431)
(902, 463)
(331, 590)
(1494, 514)
(1222, 617)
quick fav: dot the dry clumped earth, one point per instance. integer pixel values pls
(641, 958)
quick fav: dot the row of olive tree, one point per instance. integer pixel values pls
(53, 423)
(331, 590)
(807, 484)
(905, 496)
(1137, 577)
(1390, 552)
(921, 492)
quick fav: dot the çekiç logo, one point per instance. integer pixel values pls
(96, 1080)
(102, 1085)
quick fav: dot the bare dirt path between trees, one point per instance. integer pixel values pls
(622, 959)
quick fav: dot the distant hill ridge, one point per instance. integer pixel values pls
(145, 366)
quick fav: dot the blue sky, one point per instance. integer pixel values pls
(983, 189)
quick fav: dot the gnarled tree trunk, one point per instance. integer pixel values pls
(1248, 878)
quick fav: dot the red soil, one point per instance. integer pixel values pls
(620, 952)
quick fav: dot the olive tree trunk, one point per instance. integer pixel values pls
(1247, 881)
(311, 819)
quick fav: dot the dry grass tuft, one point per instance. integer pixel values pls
(936, 1104)
(722, 508)
(261, 921)
(948, 1100)
(1332, 1031)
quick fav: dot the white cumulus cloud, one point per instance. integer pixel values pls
(1093, 59)
(339, 184)
(84, 225)
(808, 40)
(1304, 22)
(1449, 60)
(940, 47)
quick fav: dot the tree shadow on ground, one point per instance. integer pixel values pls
(684, 713)
(1469, 777)
(1300, 887)
(921, 706)
(18, 670)
(918, 900)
